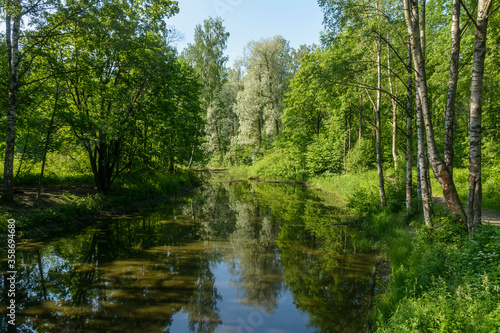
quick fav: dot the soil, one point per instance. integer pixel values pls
(26, 196)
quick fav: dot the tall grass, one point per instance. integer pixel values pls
(491, 186)
(347, 185)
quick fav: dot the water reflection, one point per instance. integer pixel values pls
(231, 257)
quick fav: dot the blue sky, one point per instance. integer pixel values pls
(298, 21)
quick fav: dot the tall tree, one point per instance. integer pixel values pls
(207, 57)
(475, 185)
(112, 89)
(23, 49)
(412, 16)
(260, 103)
(456, 34)
(13, 12)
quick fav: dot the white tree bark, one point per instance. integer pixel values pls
(394, 105)
(409, 136)
(378, 129)
(452, 87)
(475, 185)
(423, 165)
(13, 22)
(438, 165)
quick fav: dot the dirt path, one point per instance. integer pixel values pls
(488, 216)
(491, 217)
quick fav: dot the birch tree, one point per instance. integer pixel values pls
(13, 14)
(475, 185)
(412, 17)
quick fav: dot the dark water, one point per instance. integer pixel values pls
(230, 257)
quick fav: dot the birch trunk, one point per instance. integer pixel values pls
(378, 145)
(409, 137)
(394, 105)
(12, 22)
(449, 151)
(438, 165)
(475, 185)
(422, 166)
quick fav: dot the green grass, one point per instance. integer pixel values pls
(442, 281)
(347, 185)
(59, 170)
(491, 186)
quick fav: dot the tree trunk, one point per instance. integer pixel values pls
(475, 185)
(423, 167)
(438, 165)
(360, 114)
(452, 87)
(394, 105)
(378, 145)
(12, 43)
(409, 137)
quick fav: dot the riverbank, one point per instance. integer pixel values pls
(65, 207)
(440, 280)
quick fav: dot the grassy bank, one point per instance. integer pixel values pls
(67, 203)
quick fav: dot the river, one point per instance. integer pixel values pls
(232, 256)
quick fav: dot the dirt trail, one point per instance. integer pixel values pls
(488, 216)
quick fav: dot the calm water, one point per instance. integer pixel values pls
(230, 257)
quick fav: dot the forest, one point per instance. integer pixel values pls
(396, 110)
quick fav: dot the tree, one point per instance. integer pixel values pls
(207, 57)
(260, 103)
(412, 16)
(120, 59)
(14, 12)
(475, 185)
(23, 49)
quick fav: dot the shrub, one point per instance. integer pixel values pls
(324, 155)
(361, 158)
(278, 164)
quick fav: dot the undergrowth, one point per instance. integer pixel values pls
(441, 279)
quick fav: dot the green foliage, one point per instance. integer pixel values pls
(491, 184)
(278, 164)
(483, 254)
(364, 199)
(346, 186)
(468, 308)
(444, 282)
(324, 155)
(361, 158)
(4, 217)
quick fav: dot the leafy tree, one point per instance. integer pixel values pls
(207, 57)
(120, 59)
(260, 103)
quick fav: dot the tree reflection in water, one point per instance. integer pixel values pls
(135, 273)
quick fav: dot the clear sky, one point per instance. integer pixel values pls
(298, 21)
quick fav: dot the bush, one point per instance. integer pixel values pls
(361, 158)
(278, 164)
(324, 155)
(445, 283)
